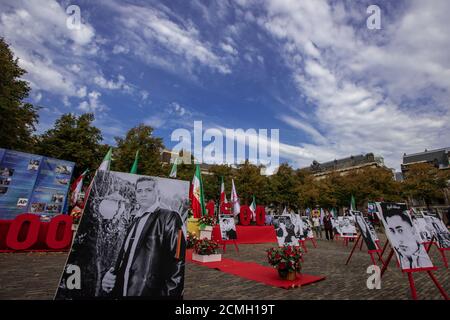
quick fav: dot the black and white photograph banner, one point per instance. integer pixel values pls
(403, 236)
(285, 231)
(227, 227)
(365, 230)
(131, 239)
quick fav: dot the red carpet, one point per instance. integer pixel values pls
(256, 272)
(250, 234)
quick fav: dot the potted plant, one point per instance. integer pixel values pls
(205, 250)
(286, 260)
(191, 240)
(206, 224)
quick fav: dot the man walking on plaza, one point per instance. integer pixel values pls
(316, 226)
(328, 226)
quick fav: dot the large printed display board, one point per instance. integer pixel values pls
(131, 239)
(32, 183)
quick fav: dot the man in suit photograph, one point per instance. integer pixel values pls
(151, 259)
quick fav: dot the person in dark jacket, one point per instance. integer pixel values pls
(328, 226)
(151, 260)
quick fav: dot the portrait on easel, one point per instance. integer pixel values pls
(227, 227)
(285, 231)
(403, 236)
(364, 230)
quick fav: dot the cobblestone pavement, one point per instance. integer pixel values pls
(35, 276)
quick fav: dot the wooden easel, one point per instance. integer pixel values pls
(411, 279)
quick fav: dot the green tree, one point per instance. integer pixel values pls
(139, 138)
(18, 118)
(74, 138)
(249, 182)
(283, 186)
(425, 182)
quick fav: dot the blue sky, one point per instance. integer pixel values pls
(311, 69)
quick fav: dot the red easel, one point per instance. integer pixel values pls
(225, 242)
(347, 238)
(303, 245)
(411, 280)
(370, 252)
(428, 245)
(313, 242)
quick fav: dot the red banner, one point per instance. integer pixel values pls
(26, 233)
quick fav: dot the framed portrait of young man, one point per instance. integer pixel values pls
(403, 236)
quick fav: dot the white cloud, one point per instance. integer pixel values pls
(177, 109)
(228, 48)
(37, 97)
(81, 92)
(93, 104)
(155, 121)
(118, 49)
(152, 34)
(358, 87)
(144, 95)
(44, 45)
(111, 85)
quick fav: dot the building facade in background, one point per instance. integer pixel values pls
(346, 165)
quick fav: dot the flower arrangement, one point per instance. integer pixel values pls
(206, 247)
(286, 258)
(191, 240)
(76, 216)
(206, 220)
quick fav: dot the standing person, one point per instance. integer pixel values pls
(150, 262)
(316, 226)
(328, 226)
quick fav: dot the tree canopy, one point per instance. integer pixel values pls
(18, 117)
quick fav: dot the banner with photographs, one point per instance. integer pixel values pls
(227, 227)
(131, 239)
(299, 230)
(344, 226)
(437, 228)
(307, 228)
(364, 230)
(371, 229)
(32, 183)
(403, 236)
(285, 231)
(424, 231)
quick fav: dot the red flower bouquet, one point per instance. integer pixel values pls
(206, 247)
(286, 258)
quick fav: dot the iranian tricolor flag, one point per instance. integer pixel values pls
(198, 200)
(106, 161)
(253, 208)
(223, 196)
(235, 199)
(76, 187)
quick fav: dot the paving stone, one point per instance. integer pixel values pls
(36, 275)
